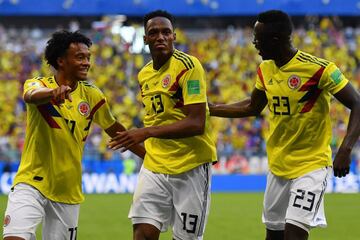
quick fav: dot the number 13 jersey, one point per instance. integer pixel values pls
(180, 81)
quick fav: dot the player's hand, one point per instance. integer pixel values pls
(341, 163)
(61, 93)
(126, 139)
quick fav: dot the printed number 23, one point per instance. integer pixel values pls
(157, 104)
(300, 202)
(283, 103)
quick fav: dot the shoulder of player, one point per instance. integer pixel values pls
(147, 67)
(89, 86)
(37, 78)
(44, 81)
(266, 65)
(311, 59)
(186, 60)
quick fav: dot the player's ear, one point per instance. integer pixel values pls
(174, 36)
(145, 40)
(60, 61)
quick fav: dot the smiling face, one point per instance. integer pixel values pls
(160, 37)
(264, 42)
(76, 62)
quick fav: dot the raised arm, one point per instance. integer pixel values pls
(44, 95)
(252, 106)
(351, 99)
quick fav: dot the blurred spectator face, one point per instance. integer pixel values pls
(264, 42)
(159, 35)
(76, 62)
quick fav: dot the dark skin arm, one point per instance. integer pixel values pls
(252, 106)
(193, 124)
(349, 97)
(116, 128)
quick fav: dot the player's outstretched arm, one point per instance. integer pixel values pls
(193, 124)
(351, 99)
(116, 128)
(251, 106)
(44, 95)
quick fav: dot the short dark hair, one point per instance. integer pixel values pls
(59, 42)
(278, 21)
(158, 13)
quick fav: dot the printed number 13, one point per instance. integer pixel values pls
(157, 104)
(191, 221)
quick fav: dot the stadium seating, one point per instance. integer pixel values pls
(227, 55)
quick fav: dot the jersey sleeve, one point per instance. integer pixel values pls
(259, 84)
(193, 84)
(333, 80)
(32, 84)
(101, 112)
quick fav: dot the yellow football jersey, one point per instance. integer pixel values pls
(55, 139)
(299, 95)
(180, 81)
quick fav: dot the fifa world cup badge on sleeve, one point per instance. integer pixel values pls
(336, 76)
(193, 87)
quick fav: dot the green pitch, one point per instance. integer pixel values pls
(233, 216)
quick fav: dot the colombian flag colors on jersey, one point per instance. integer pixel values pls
(55, 138)
(298, 95)
(180, 81)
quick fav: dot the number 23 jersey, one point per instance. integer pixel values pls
(299, 95)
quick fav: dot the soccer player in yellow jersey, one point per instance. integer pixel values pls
(174, 182)
(60, 110)
(297, 88)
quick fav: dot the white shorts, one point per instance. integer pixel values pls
(27, 208)
(297, 201)
(181, 201)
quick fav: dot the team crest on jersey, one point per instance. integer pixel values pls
(294, 82)
(7, 220)
(166, 81)
(84, 108)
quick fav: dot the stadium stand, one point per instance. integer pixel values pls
(118, 53)
(228, 57)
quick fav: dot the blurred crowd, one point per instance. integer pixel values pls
(228, 57)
